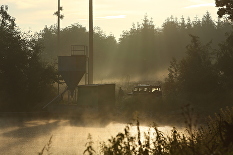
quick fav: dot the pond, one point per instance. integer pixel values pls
(29, 136)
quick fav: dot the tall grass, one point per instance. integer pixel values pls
(47, 147)
(214, 138)
(89, 149)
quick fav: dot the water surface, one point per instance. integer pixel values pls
(29, 136)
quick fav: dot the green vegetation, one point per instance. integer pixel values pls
(200, 74)
(143, 51)
(89, 148)
(104, 46)
(47, 147)
(202, 78)
(24, 79)
(214, 138)
(147, 50)
(225, 8)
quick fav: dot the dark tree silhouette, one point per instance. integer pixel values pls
(225, 8)
(143, 51)
(224, 63)
(194, 75)
(24, 79)
(76, 34)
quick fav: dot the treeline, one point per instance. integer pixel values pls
(104, 46)
(202, 78)
(142, 52)
(28, 70)
(25, 80)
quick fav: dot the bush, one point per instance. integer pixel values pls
(24, 79)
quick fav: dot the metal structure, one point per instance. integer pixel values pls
(73, 68)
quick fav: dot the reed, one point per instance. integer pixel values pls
(215, 137)
(47, 147)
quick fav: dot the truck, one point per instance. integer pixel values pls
(146, 90)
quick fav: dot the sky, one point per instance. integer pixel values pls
(112, 16)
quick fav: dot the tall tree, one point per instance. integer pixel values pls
(144, 49)
(225, 63)
(76, 34)
(195, 74)
(225, 8)
(137, 49)
(24, 79)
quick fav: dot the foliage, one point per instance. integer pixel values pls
(134, 49)
(213, 138)
(224, 63)
(225, 8)
(197, 69)
(195, 74)
(145, 49)
(89, 148)
(171, 84)
(47, 147)
(76, 34)
(24, 79)
(57, 13)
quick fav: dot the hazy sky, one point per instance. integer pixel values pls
(113, 16)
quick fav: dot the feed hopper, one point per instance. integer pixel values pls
(72, 68)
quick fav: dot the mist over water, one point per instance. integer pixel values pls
(29, 136)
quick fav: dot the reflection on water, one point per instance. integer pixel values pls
(69, 137)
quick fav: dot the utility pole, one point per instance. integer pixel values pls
(59, 17)
(58, 27)
(90, 65)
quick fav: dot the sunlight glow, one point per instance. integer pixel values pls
(197, 1)
(106, 17)
(112, 17)
(200, 5)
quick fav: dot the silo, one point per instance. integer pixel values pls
(72, 68)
